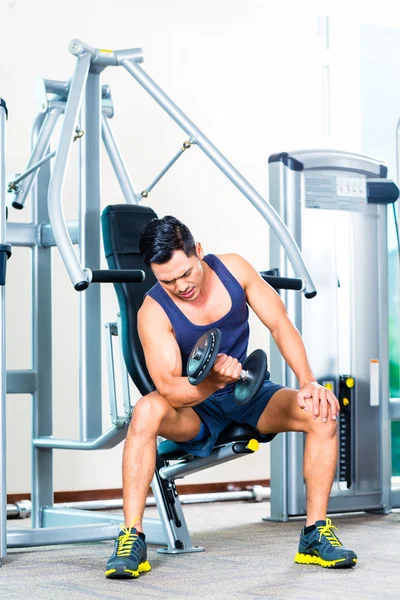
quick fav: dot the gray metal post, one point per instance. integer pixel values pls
(42, 398)
(3, 372)
(90, 244)
(228, 169)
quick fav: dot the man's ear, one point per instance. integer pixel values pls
(199, 251)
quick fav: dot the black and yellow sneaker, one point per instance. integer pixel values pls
(130, 555)
(320, 546)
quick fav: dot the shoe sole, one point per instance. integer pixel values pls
(144, 567)
(340, 563)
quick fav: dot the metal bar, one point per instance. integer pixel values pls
(46, 235)
(257, 493)
(60, 88)
(394, 407)
(173, 160)
(105, 58)
(228, 169)
(3, 375)
(59, 227)
(383, 350)
(181, 469)
(126, 394)
(53, 517)
(21, 382)
(109, 439)
(50, 536)
(111, 372)
(32, 169)
(23, 235)
(38, 151)
(90, 380)
(42, 356)
(118, 163)
(395, 496)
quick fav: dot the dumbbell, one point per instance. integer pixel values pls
(202, 359)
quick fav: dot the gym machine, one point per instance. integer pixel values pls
(86, 107)
(335, 206)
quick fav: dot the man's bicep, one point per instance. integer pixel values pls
(161, 351)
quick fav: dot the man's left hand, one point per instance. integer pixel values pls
(321, 400)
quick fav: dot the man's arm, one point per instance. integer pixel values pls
(269, 308)
(163, 360)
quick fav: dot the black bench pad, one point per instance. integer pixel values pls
(235, 432)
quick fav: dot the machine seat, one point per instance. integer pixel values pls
(235, 432)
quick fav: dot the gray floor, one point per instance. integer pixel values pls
(245, 558)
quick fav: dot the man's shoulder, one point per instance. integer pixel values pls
(231, 259)
(235, 263)
(152, 313)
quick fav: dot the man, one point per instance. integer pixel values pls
(194, 293)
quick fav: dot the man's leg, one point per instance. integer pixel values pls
(321, 450)
(152, 416)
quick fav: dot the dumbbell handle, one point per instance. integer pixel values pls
(244, 374)
(198, 353)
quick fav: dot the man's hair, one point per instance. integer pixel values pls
(161, 237)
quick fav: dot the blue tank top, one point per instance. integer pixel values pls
(234, 326)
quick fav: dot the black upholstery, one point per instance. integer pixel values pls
(121, 226)
(234, 432)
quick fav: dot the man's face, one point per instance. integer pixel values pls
(182, 276)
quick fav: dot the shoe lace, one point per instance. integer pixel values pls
(126, 541)
(326, 530)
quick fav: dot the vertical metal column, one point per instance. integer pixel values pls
(90, 243)
(42, 400)
(287, 449)
(3, 372)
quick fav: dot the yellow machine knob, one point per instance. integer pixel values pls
(350, 382)
(329, 386)
(346, 401)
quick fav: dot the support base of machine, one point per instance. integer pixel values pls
(181, 550)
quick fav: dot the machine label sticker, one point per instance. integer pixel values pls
(332, 190)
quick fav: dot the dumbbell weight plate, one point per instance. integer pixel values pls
(245, 389)
(203, 355)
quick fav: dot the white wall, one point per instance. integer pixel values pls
(248, 73)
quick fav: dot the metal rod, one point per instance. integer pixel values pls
(38, 151)
(42, 355)
(109, 439)
(173, 160)
(21, 177)
(37, 165)
(90, 342)
(257, 493)
(118, 163)
(3, 372)
(264, 208)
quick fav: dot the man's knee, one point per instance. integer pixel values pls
(149, 412)
(317, 426)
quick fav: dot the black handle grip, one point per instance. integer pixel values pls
(282, 283)
(118, 276)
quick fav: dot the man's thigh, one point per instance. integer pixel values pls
(180, 424)
(283, 413)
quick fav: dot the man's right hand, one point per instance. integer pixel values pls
(226, 370)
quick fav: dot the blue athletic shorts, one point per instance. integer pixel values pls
(219, 410)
